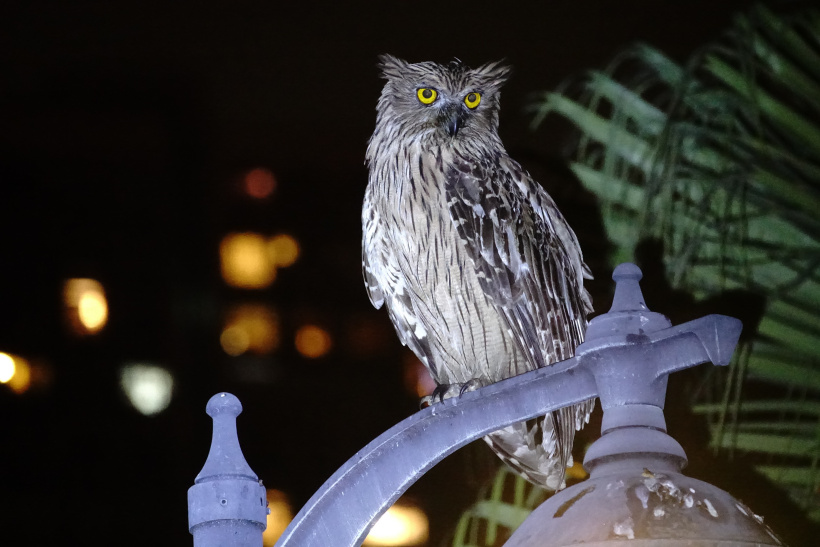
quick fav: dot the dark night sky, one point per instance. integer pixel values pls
(125, 126)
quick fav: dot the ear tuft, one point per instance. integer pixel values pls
(391, 67)
(497, 72)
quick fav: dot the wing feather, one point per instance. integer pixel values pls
(378, 263)
(529, 265)
(528, 261)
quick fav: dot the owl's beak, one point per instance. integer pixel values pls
(452, 119)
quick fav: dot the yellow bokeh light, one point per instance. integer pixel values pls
(21, 380)
(312, 341)
(279, 517)
(400, 525)
(86, 305)
(245, 261)
(7, 367)
(283, 250)
(15, 372)
(250, 327)
(93, 311)
(577, 471)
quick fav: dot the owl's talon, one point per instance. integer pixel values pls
(472, 385)
(446, 391)
(440, 393)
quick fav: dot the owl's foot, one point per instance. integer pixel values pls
(472, 385)
(441, 392)
(445, 391)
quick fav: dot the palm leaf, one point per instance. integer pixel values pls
(719, 159)
(501, 508)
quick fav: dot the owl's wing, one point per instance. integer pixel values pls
(385, 282)
(529, 265)
(369, 246)
(527, 258)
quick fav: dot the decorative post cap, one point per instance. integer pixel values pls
(225, 458)
(628, 295)
(227, 505)
(631, 351)
(629, 313)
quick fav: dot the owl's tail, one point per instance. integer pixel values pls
(540, 449)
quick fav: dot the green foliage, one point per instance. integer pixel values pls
(501, 508)
(720, 161)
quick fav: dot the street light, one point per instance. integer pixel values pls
(635, 491)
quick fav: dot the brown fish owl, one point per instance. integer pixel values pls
(481, 275)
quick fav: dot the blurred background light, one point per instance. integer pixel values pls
(401, 525)
(259, 183)
(15, 372)
(250, 327)
(6, 367)
(279, 516)
(21, 380)
(576, 471)
(148, 387)
(368, 336)
(245, 261)
(417, 379)
(283, 250)
(86, 305)
(312, 341)
(234, 340)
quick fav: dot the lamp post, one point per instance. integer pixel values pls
(635, 491)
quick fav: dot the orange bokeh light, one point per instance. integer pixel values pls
(279, 516)
(86, 305)
(250, 328)
(417, 379)
(259, 183)
(312, 341)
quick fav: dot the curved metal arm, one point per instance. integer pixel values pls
(342, 510)
(627, 357)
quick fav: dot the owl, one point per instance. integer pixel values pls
(482, 277)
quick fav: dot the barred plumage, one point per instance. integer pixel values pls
(481, 275)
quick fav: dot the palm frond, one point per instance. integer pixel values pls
(501, 508)
(719, 159)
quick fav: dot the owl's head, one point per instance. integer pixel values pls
(436, 102)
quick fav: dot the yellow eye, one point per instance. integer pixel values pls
(426, 95)
(472, 100)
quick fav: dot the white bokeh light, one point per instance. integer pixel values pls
(7, 367)
(148, 387)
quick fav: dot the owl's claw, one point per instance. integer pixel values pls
(472, 385)
(441, 392)
(445, 391)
